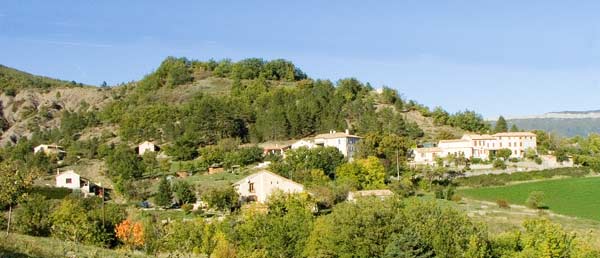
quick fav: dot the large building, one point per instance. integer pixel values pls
(478, 146)
(345, 142)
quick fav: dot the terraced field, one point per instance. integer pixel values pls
(578, 197)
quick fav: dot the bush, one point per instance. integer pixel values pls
(224, 198)
(503, 203)
(456, 198)
(476, 161)
(538, 160)
(513, 160)
(535, 200)
(499, 164)
(187, 208)
(3, 221)
(32, 216)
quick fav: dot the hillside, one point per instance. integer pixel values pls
(32, 103)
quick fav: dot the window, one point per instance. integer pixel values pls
(251, 187)
(68, 180)
(521, 144)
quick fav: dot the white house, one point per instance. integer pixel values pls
(456, 147)
(147, 146)
(381, 194)
(49, 149)
(303, 143)
(517, 142)
(70, 179)
(345, 142)
(482, 145)
(426, 155)
(259, 186)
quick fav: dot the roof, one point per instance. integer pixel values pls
(457, 140)
(382, 192)
(276, 147)
(71, 172)
(50, 146)
(428, 149)
(515, 134)
(245, 179)
(335, 135)
(480, 136)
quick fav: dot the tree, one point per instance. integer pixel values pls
(183, 192)
(535, 200)
(501, 125)
(514, 128)
(124, 165)
(366, 173)
(32, 216)
(224, 198)
(164, 195)
(130, 233)
(503, 153)
(70, 222)
(14, 182)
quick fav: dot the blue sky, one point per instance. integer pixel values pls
(495, 57)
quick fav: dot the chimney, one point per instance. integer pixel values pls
(347, 131)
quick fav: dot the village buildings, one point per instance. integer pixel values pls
(259, 186)
(478, 146)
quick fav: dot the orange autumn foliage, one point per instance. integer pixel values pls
(130, 233)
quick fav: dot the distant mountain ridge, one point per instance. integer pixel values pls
(562, 115)
(565, 123)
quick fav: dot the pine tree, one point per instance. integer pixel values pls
(501, 125)
(514, 128)
(164, 195)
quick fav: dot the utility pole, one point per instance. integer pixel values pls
(102, 193)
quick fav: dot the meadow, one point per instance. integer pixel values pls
(578, 197)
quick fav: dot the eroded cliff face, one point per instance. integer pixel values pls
(35, 108)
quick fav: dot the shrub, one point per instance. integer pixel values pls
(187, 208)
(3, 221)
(503, 203)
(11, 92)
(513, 160)
(456, 198)
(476, 161)
(535, 200)
(32, 216)
(224, 198)
(499, 164)
(538, 160)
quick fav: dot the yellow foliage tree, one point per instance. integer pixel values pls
(130, 233)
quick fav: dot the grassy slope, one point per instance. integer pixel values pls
(577, 197)
(17, 245)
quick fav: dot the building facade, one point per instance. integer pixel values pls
(478, 146)
(345, 142)
(259, 186)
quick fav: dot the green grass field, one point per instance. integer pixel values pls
(579, 197)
